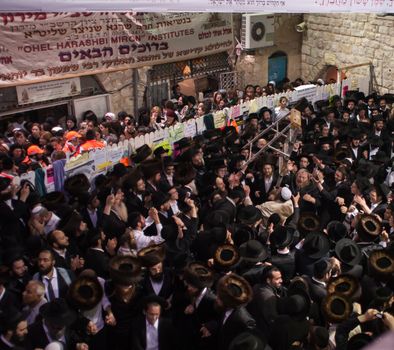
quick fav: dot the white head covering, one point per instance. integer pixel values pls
(285, 193)
(55, 346)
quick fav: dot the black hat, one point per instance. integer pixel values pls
(217, 163)
(242, 233)
(336, 230)
(124, 270)
(57, 312)
(355, 134)
(359, 341)
(336, 308)
(183, 143)
(77, 185)
(375, 140)
(346, 286)
(234, 291)
(316, 245)
(167, 161)
(247, 341)
(389, 98)
(85, 292)
(308, 222)
(141, 154)
(301, 104)
(152, 255)
(253, 251)
(159, 151)
(249, 215)
(159, 198)
(320, 336)
(226, 257)
(53, 200)
(184, 174)
(281, 237)
(348, 252)
(368, 227)
(119, 170)
(150, 167)
(381, 263)
(297, 303)
(211, 133)
(380, 157)
(198, 275)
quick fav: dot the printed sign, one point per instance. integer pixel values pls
(49, 46)
(50, 90)
(279, 6)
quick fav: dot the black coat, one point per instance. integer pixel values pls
(13, 224)
(286, 264)
(98, 261)
(238, 322)
(167, 336)
(166, 289)
(86, 218)
(228, 207)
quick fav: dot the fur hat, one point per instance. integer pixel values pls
(152, 255)
(368, 227)
(124, 270)
(336, 308)
(308, 222)
(234, 291)
(85, 292)
(226, 257)
(381, 264)
(346, 286)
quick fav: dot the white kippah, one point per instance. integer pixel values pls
(285, 193)
(55, 346)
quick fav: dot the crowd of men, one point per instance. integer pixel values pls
(208, 247)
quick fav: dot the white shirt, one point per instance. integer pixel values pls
(34, 311)
(53, 282)
(355, 151)
(152, 335)
(143, 241)
(319, 282)
(268, 183)
(6, 342)
(174, 207)
(2, 293)
(201, 295)
(227, 315)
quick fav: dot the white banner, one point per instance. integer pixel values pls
(48, 46)
(293, 6)
(50, 90)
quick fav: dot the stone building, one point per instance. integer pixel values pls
(338, 40)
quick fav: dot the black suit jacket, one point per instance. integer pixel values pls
(238, 322)
(97, 261)
(86, 218)
(13, 224)
(259, 185)
(167, 336)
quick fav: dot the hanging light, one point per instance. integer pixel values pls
(186, 72)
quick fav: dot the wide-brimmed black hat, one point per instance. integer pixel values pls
(346, 286)
(141, 153)
(308, 222)
(348, 252)
(249, 215)
(153, 298)
(336, 308)
(380, 157)
(226, 257)
(125, 270)
(253, 251)
(152, 255)
(150, 167)
(58, 312)
(159, 151)
(77, 185)
(85, 292)
(297, 303)
(281, 237)
(159, 198)
(242, 233)
(381, 263)
(247, 341)
(234, 290)
(368, 227)
(184, 174)
(336, 230)
(198, 275)
(316, 245)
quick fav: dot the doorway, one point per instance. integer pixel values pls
(277, 67)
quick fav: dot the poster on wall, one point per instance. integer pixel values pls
(48, 46)
(50, 90)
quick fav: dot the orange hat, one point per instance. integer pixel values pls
(32, 150)
(72, 135)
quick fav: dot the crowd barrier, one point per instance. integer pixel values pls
(100, 161)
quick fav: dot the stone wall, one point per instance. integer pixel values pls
(287, 39)
(348, 39)
(120, 86)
